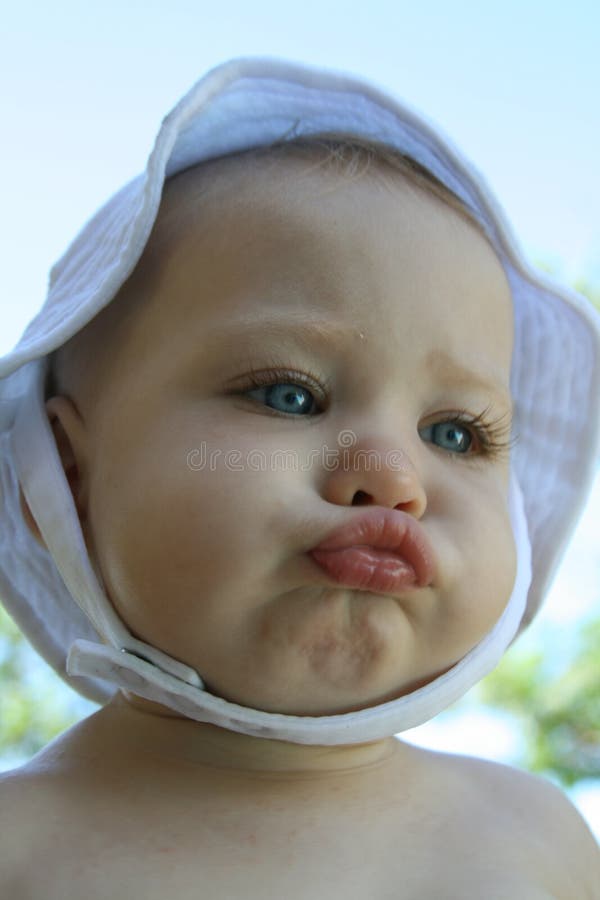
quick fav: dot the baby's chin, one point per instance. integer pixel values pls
(317, 703)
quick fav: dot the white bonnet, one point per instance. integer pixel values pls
(54, 595)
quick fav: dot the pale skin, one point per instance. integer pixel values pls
(211, 566)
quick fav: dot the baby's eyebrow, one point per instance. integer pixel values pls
(303, 332)
(459, 374)
(306, 333)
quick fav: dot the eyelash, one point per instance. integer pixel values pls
(491, 435)
(315, 382)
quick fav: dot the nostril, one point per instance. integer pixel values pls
(360, 498)
(413, 508)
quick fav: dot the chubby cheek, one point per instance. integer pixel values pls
(185, 550)
(483, 581)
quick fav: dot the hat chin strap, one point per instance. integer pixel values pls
(144, 670)
(48, 495)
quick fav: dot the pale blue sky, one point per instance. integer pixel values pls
(85, 84)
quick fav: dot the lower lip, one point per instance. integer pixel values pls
(367, 569)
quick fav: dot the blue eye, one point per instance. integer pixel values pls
(451, 436)
(289, 398)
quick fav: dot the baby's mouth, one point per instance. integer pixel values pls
(365, 568)
(383, 550)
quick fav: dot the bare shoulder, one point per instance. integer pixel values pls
(39, 824)
(19, 799)
(24, 809)
(535, 800)
(535, 813)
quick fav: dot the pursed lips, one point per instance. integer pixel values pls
(382, 550)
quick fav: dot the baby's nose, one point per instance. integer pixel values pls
(368, 474)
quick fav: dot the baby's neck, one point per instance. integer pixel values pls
(159, 731)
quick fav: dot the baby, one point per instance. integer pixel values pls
(288, 459)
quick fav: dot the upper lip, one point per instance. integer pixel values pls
(386, 529)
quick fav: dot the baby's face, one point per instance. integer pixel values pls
(380, 324)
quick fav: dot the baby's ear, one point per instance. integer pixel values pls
(29, 520)
(69, 435)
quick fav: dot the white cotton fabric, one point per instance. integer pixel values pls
(55, 595)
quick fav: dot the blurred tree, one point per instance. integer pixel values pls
(591, 291)
(558, 715)
(35, 705)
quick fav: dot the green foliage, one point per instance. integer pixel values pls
(35, 705)
(589, 287)
(589, 290)
(558, 715)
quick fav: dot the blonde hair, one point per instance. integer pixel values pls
(356, 156)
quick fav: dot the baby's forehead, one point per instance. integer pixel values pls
(284, 216)
(214, 193)
(288, 230)
(199, 220)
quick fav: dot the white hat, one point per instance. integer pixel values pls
(54, 594)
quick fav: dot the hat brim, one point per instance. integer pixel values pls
(251, 103)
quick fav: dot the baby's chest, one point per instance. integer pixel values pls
(294, 868)
(203, 883)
